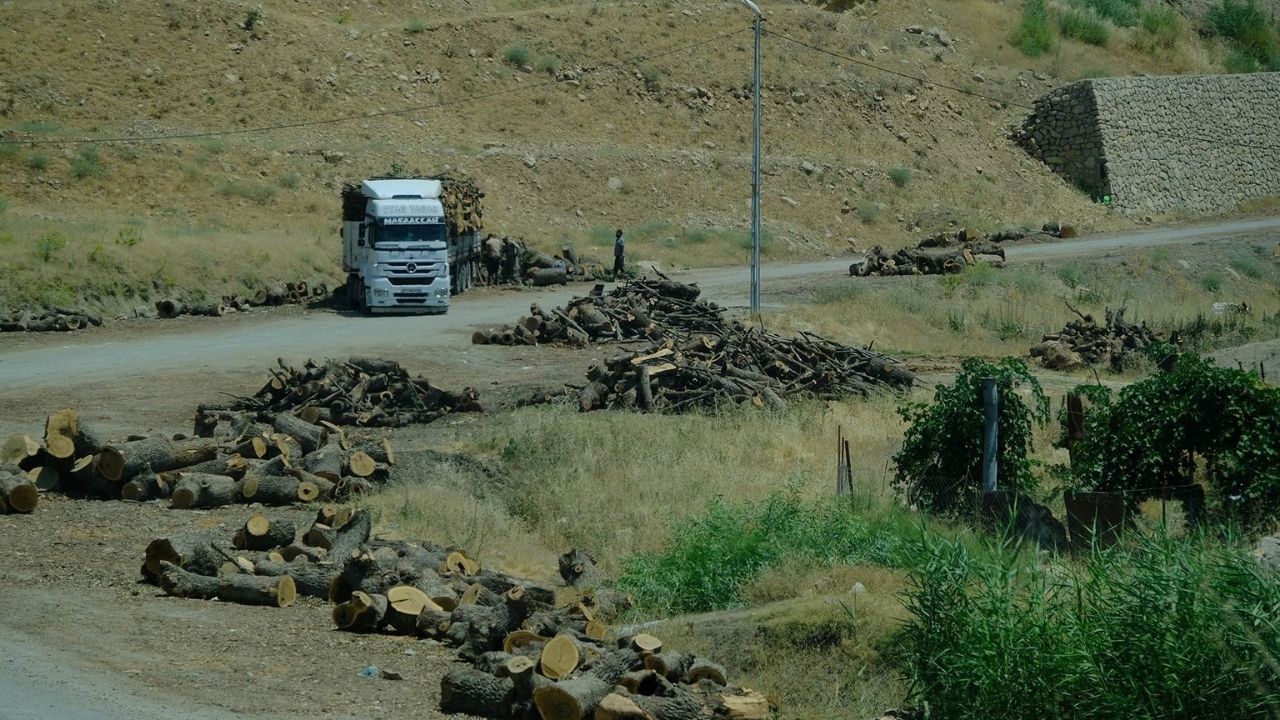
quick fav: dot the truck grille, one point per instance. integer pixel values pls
(412, 272)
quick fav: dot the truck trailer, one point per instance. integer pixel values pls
(410, 243)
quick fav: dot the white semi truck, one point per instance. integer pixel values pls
(409, 243)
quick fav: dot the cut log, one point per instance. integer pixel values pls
(326, 462)
(522, 639)
(578, 567)
(310, 579)
(572, 699)
(60, 434)
(351, 535)
(405, 604)
(19, 450)
(619, 707)
(362, 613)
(262, 533)
(646, 643)
(297, 550)
(457, 563)
(45, 477)
(310, 437)
(120, 462)
(559, 657)
(197, 490)
(320, 536)
(360, 464)
(681, 705)
(465, 690)
(433, 623)
(270, 489)
(144, 487)
(703, 669)
(243, 589)
(672, 664)
(746, 705)
(542, 277)
(19, 494)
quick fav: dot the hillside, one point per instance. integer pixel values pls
(574, 117)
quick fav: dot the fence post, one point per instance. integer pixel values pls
(990, 437)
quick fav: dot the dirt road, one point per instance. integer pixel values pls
(197, 346)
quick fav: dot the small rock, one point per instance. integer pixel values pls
(858, 588)
(391, 675)
(790, 201)
(977, 77)
(903, 136)
(615, 184)
(530, 161)
(333, 157)
(915, 29)
(808, 167)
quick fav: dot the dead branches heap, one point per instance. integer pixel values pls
(927, 260)
(273, 294)
(638, 310)
(367, 392)
(266, 458)
(53, 320)
(737, 366)
(1083, 342)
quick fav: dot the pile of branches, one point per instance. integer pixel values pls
(1083, 342)
(274, 294)
(266, 458)
(738, 366)
(53, 320)
(367, 392)
(638, 310)
(927, 260)
(523, 654)
(267, 561)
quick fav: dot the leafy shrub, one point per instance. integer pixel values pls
(87, 164)
(1248, 267)
(1033, 36)
(1166, 629)
(251, 19)
(260, 193)
(1249, 28)
(415, 26)
(49, 245)
(1212, 282)
(289, 181)
(710, 557)
(868, 212)
(517, 55)
(1084, 25)
(1123, 13)
(1239, 62)
(1162, 24)
(549, 64)
(900, 175)
(940, 463)
(1155, 432)
(128, 236)
(38, 161)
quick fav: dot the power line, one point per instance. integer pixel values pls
(1012, 103)
(385, 113)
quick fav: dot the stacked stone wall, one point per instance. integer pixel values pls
(1197, 144)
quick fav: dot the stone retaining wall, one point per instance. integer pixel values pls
(1163, 144)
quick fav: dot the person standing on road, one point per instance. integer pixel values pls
(619, 250)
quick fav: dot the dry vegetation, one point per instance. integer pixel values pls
(196, 206)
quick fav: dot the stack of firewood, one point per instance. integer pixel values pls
(367, 392)
(55, 320)
(639, 310)
(926, 261)
(738, 366)
(266, 562)
(1083, 342)
(267, 458)
(275, 293)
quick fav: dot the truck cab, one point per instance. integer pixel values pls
(399, 247)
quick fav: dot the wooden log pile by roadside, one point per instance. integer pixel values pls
(1084, 342)
(272, 294)
(638, 310)
(367, 392)
(265, 457)
(52, 320)
(879, 262)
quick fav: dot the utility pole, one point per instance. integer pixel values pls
(755, 166)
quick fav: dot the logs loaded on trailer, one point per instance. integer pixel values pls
(1084, 342)
(638, 310)
(262, 457)
(369, 392)
(272, 294)
(52, 320)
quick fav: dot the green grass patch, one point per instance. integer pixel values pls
(289, 181)
(1159, 628)
(49, 245)
(1162, 24)
(1122, 13)
(37, 161)
(517, 55)
(1252, 33)
(38, 127)
(1085, 25)
(710, 557)
(87, 163)
(260, 193)
(415, 26)
(1212, 282)
(900, 175)
(549, 64)
(1034, 35)
(868, 212)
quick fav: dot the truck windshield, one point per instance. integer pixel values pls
(408, 234)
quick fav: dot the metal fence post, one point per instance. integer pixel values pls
(990, 435)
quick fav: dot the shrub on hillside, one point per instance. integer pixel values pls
(1123, 13)
(940, 464)
(1162, 25)
(1033, 36)
(517, 55)
(1166, 629)
(1084, 25)
(900, 175)
(1200, 421)
(1253, 33)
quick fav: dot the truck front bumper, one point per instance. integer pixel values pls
(383, 297)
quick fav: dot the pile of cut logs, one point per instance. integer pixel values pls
(738, 366)
(268, 458)
(276, 293)
(541, 269)
(639, 310)
(369, 392)
(266, 562)
(1083, 342)
(55, 320)
(926, 261)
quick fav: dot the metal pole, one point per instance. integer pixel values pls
(755, 178)
(990, 435)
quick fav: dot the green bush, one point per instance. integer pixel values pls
(87, 164)
(1248, 27)
(1200, 421)
(517, 55)
(415, 26)
(1033, 36)
(1240, 62)
(868, 212)
(549, 64)
(38, 161)
(710, 557)
(900, 175)
(260, 193)
(1162, 24)
(940, 464)
(49, 245)
(289, 181)
(1212, 282)
(1084, 25)
(1166, 629)
(1123, 13)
